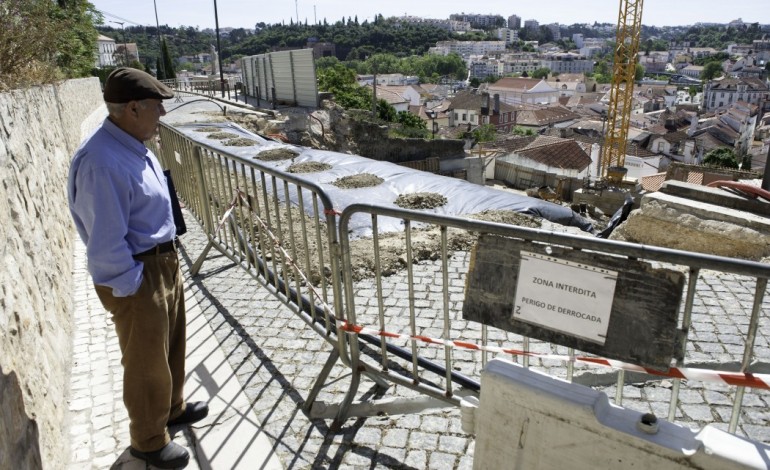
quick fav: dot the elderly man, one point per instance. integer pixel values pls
(119, 200)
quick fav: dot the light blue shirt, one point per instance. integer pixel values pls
(119, 200)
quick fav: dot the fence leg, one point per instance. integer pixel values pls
(321, 380)
(342, 415)
(199, 261)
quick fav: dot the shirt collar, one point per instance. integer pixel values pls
(129, 141)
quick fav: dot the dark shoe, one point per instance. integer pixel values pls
(171, 456)
(194, 411)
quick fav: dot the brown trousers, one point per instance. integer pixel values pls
(151, 328)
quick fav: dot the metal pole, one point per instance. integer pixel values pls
(160, 44)
(125, 44)
(219, 52)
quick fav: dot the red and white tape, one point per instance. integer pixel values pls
(704, 375)
(761, 381)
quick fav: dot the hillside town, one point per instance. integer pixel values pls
(551, 86)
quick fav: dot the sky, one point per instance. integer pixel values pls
(245, 14)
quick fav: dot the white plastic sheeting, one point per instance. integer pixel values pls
(464, 198)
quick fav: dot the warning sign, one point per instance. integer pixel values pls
(565, 296)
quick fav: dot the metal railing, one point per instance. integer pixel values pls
(230, 88)
(280, 229)
(285, 232)
(427, 319)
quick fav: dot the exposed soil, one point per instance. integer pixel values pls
(508, 217)
(275, 155)
(308, 167)
(240, 142)
(222, 135)
(362, 180)
(420, 200)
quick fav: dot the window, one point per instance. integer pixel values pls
(465, 116)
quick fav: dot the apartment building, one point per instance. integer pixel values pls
(517, 91)
(724, 92)
(466, 49)
(567, 62)
(479, 21)
(509, 36)
(105, 52)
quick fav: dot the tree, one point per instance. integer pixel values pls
(410, 125)
(42, 41)
(542, 72)
(639, 72)
(168, 64)
(408, 119)
(341, 81)
(385, 111)
(722, 157)
(711, 70)
(484, 133)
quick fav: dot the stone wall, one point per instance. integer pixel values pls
(40, 128)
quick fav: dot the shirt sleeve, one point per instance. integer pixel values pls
(104, 197)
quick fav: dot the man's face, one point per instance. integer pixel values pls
(146, 114)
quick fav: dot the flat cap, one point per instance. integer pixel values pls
(126, 84)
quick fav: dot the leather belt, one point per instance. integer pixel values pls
(160, 248)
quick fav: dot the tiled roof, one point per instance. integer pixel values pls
(511, 145)
(545, 116)
(516, 83)
(390, 95)
(754, 84)
(675, 137)
(566, 154)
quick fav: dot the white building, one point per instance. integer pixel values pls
(105, 55)
(465, 49)
(517, 91)
(722, 93)
(567, 63)
(509, 36)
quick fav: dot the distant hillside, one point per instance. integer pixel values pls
(357, 41)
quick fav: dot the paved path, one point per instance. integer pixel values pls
(228, 438)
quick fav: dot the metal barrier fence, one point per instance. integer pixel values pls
(230, 88)
(286, 233)
(427, 317)
(247, 213)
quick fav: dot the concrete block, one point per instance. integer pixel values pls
(530, 420)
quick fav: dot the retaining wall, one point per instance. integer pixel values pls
(40, 128)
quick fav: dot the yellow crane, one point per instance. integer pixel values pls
(613, 155)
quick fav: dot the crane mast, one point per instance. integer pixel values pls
(613, 155)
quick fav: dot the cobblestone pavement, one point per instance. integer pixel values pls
(276, 359)
(98, 419)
